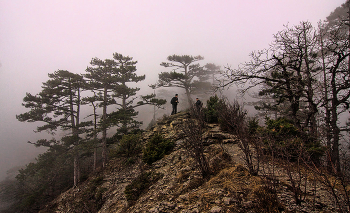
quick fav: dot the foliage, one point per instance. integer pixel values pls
(125, 120)
(139, 185)
(55, 105)
(101, 78)
(281, 128)
(110, 78)
(289, 140)
(58, 107)
(93, 196)
(253, 126)
(42, 181)
(212, 110)
(124, 117)
(186, 74)
(129, 146)
(156, 148)
(232, 117)
(8, 192)
(304, 76)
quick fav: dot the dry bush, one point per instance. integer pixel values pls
(194, 143)
(338, 186)
(233, 119)
(267, 201)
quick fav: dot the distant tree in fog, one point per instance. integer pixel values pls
(186, 74)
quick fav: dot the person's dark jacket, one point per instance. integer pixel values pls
(174, 101)
(199, 104)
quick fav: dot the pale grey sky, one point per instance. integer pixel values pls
(41, 36)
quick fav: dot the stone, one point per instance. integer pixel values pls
(216, 209)
(183, 197)
(154, 210)
(227, 200)
(195, 210)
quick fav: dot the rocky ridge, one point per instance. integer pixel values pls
(181, 188)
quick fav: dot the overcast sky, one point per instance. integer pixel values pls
(38, 37)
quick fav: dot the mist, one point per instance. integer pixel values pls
(40, 37)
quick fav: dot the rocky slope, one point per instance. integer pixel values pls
(180, 186)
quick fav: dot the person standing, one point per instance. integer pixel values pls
(198, 105)
(174, 101)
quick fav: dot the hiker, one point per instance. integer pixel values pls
(174, 101)
(198, 105)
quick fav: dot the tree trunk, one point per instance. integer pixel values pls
(95, 138)
(326, 106)
(335, 129)
(104, 128)
(74, 134)
(187, 87)
(310, 93)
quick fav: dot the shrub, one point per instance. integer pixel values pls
(141, 184)
(194, 144)
(285, 138)
(92, 197)
(128, 146)
(233, 119)
(97, 181)
(267, 200)
(253, 126)
(212, 110)
(156, 148)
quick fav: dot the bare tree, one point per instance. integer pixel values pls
(334, 37)
(233, 118)
(286, 71)
(194, 142)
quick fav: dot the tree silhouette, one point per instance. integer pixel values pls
(58, 107)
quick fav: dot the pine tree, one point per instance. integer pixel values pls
(58, 106)
(186, 74)
(102, 78)
(125, 96)
(110, 79)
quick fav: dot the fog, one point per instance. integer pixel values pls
(40, 37)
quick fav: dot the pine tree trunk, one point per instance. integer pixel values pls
(95, 139)
(104, 128)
